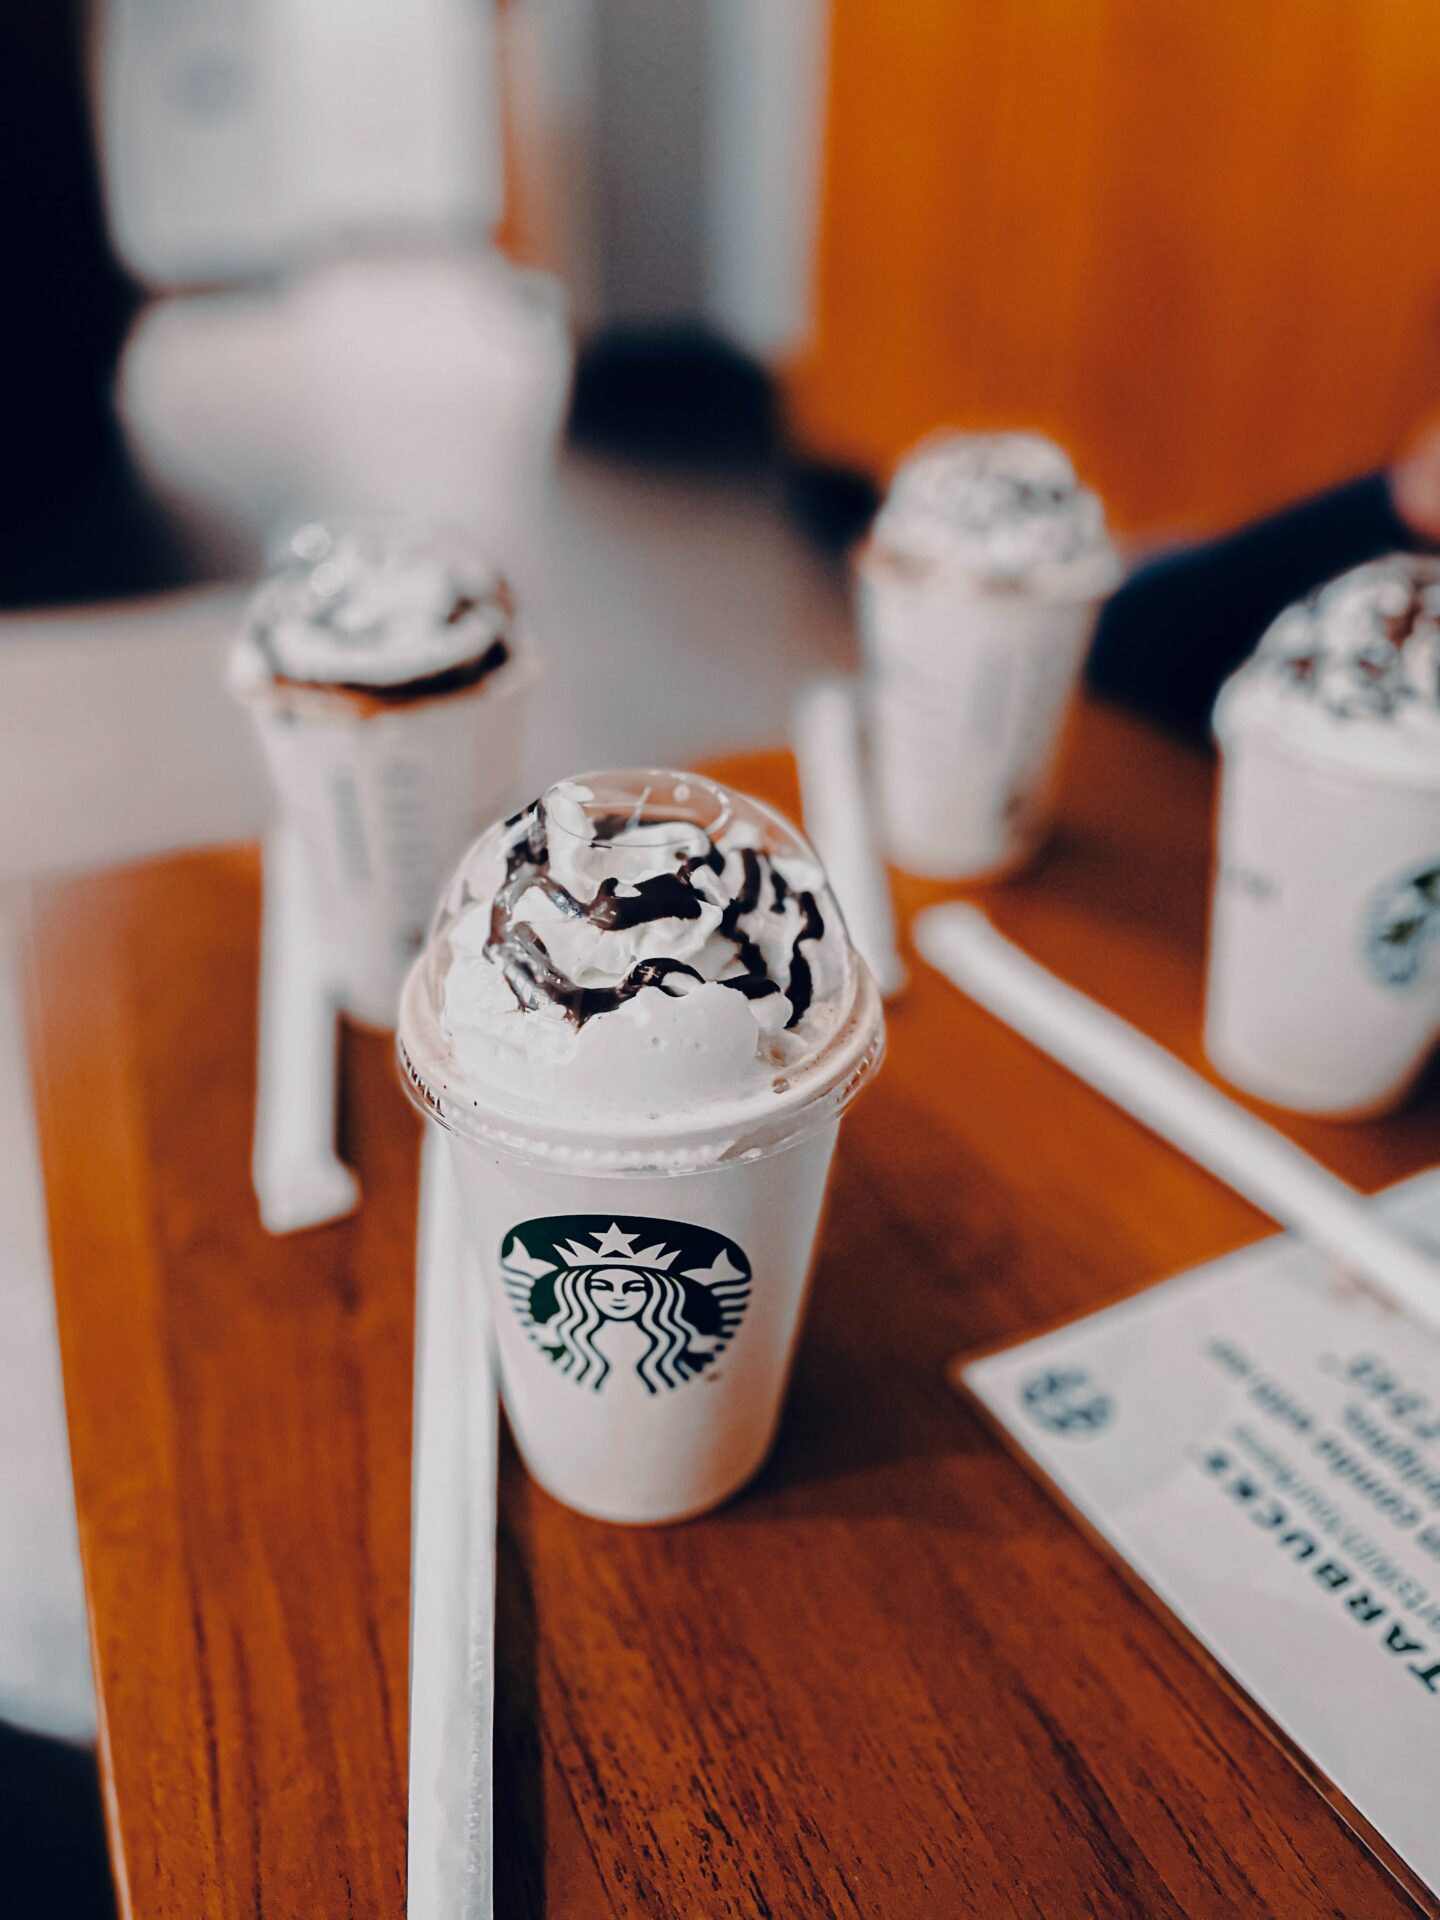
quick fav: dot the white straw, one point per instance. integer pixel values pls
(299, 1181)
(829, 751)
(1151, 1084)
(452, 1565)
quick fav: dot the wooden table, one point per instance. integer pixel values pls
(890, 1680)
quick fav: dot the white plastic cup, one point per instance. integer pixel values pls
(968, 692)
(382, 803)
(647, 1274)
(1323, 989)
(667, 1410)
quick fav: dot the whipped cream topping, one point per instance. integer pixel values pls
(630, 950)
(1005, 509)
(378, 605)
(1353, 670)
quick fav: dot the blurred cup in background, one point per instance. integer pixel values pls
(385, 668)
(979, 588)
(1323, 986)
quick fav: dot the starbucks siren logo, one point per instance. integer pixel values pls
(577, 1279)
(1402, 923)
(1066, 1400)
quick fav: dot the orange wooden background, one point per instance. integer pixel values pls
(1199, 240)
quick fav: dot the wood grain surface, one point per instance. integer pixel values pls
(890, 1680)
(1181, 235)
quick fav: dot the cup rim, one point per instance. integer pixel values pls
(874, 562)
(1232, 728)
(717, 1133)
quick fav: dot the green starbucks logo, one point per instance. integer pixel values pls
(1066, 1400)
(597, 1294)
(1402, 924)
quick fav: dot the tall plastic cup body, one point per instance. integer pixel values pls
(383, 802)
(968, 693)
(665, 1414)
(643, 1196)
(1323, 989)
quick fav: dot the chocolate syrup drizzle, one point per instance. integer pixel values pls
(535, 980)
(452, 679)
(469, 673)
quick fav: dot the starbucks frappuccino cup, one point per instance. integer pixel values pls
(979, 587)
(385, 670)
(1323, 983)
(639, 1020)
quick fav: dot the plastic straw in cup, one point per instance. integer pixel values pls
(299, 1180)
(838, 818)
(1130, 1069)
(452, 1565)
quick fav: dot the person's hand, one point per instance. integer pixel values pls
(1415, 486)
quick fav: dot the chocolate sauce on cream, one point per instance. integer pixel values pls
(386, 612)
(430, 686)
(514, 944)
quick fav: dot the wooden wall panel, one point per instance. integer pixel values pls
(1199, 240)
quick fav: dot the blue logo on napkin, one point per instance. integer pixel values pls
(1066, 1400)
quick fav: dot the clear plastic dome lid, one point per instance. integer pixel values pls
(642, 971)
